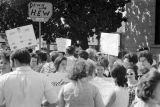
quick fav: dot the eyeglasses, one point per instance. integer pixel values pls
(129, 73)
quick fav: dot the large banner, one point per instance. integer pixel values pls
(110, 43)
(62, 44)
(21, 37)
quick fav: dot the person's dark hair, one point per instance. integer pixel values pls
(146, 48)
(79, 71)
(132, 57)
(30, 50)
(121, 54)
(42, 56)
(76, 52)
(135, 69)
(147, 85)
(83, 54)
(139, 49)
(58, 61)
(5, 55)
(34, 55)
(147, 55)
(54, 55)
(63, 53)
(70, 50)
(142, 49)
(118, 73)
(22, 55)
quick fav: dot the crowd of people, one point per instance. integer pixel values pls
(75, 78)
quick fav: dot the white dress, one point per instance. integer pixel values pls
(122, 97)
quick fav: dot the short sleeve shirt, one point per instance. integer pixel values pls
(25, 88)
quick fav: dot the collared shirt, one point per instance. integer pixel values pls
(70, 63)
(25, 88)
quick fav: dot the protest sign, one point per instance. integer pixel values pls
(21, 37)
(40, 11)
(110, 43)
(62, 44)
(105, 86)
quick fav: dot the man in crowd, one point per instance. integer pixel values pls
(70, 58)
(24, 87)
(146, 60)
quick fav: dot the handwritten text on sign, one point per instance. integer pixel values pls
(62, 44)
(21, 37)
(40, 10)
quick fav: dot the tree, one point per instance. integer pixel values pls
(74, 19)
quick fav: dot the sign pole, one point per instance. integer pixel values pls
(39, 35)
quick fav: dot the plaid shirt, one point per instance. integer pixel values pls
(131, 95)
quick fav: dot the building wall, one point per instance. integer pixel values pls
(140, 28)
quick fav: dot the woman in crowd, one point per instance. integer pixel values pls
(42, 60)
(130, 59)
(79, 92)
(141, 72)
(148, 90)
(49, 67)
(132, 80)
(5, 62)
(132, 75)
(34, 61)
(120, 95)
(59, 77)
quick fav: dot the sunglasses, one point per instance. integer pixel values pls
(129, 73)
(139, 76)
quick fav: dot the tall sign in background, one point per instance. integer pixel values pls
(40, 12)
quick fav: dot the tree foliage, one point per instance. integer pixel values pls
(74, 19)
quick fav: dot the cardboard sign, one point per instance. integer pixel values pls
(21, 37)
(62, 44)
(40, 11)
(110, 43)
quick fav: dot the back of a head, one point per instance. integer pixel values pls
(79, 71)
(132, 57)
(42, 56)
(91, 69)
(121, 54)
(5, 55)
(22, 55)
(146, 55)
(34, 55)
(91, 53)
(83, 54)
(70, 50)
(103, 60)
(118, 72)
(147, 85)
(54, 55)
(58, 61)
